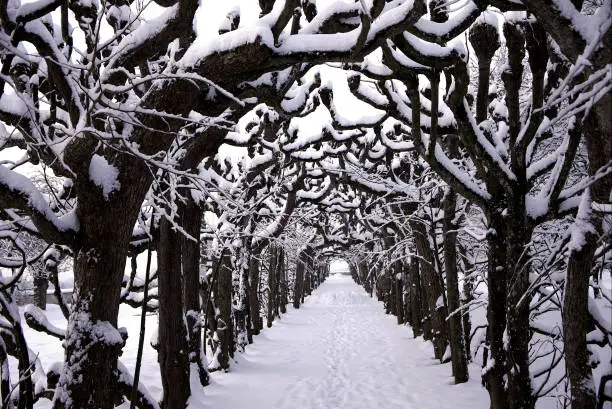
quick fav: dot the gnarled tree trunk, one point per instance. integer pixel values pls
(99, 265)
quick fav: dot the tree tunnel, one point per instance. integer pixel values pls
(212, 165)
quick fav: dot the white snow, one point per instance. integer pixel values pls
(104, 175)
(338, 351)
(22, 186)
(339, 266)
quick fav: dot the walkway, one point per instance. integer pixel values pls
(339, 351)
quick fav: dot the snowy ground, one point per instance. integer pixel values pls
(338, 351)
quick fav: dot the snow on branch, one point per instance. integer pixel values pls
(18, 192)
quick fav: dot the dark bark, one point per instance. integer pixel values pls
(383, 289)
(458, 355)
(598, 136)
(240, 291)
(191, 221)
(398, 283)
(223, 301)
(354, 274)
(40, 289)
(99, 265)
(210, 322)
(485, 41)
(518, 231)
(247, 306)
(284, 289)
(299, 280)
(365, 278)
(173, 347)
(430, 282)
(517, 309)
(254, 304)
(272, 287)
(576, 319)
(415, 297)
(508, 312)
(494, 365)
(391, 294)
(407, 294)
(468, 297)
(26, 386)
(280, 265)
(308, 280)
(5, 380)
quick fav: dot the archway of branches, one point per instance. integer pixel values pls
(455, 154)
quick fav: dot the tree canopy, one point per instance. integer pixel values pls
(458, 155)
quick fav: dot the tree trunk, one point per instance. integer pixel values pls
(92, 326)
(247, 306)
(494, 365)
(284, 298)
(598, 136)
(240, 291)
(40, 289)
(210, 321)
(430, 282)
(399, 294)
(254, 304)
(407, 295)
(354, 273)
(575, 308)
(415, 297)
(482, 97)
(223, 301)
(272, 287)
(517, 309)
(383, 290)
(458, 356)
(468, 287)
(508, 312)
(299, 280)
(364, 274)
(173, 346)
(99, 265)
(280, 264)
(191, 221)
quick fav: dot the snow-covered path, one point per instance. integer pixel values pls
(339, 351)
